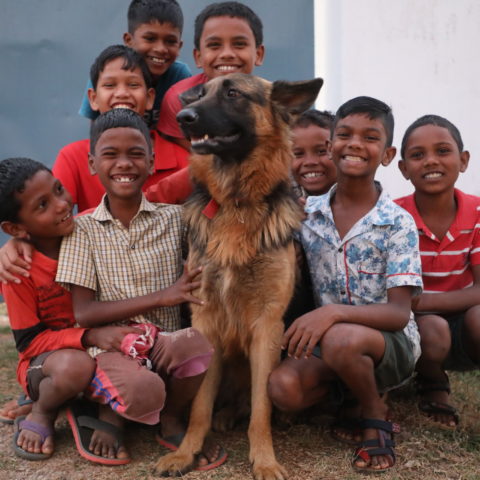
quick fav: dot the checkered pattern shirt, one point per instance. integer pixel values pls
(119, 263)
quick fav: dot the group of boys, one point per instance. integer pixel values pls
(124, 259)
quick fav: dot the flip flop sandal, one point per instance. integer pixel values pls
(83, 420)
(22, 424)
(21, 401)
(382, 445)
(172, 442)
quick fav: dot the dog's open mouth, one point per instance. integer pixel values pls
(208, 142)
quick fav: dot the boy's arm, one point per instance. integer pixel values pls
(308, 330)
(450, 302)
(90, 312)
(167, 122)
(32, 336)
(175, 188)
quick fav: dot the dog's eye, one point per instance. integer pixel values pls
(233, 93)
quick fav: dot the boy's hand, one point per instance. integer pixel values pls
(181, 290)
(306, 331)
(107, 338)
(11, 262)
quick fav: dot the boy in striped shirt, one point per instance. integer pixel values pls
(448, 222)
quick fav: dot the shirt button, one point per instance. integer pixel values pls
(132, 247)
(340, 249)
(342, 292)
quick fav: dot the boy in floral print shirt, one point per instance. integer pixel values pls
(362, 252)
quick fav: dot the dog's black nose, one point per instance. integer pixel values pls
(187, 116)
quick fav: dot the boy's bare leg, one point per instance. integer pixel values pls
(435, 343)
(67, 373)
(104, 444)
(352, 351)
(297, 384)
(180, 394)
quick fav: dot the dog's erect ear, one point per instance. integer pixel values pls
(296, 97)
(192, 95)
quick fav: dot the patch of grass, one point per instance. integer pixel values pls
(306, 450)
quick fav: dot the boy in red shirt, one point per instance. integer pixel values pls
(448, 222)
(120, 78)
(53, 366)
(228, 38)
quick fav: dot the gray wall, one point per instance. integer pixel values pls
(47, 46)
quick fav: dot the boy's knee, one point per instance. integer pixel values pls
(434, 332)
(284, 389)
(184, 353)
(143, 399)
(73, 367)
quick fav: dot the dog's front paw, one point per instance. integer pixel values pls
(270, 471)
(174, 464)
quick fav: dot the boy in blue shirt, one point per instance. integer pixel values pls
(362, 252)
(154, 31)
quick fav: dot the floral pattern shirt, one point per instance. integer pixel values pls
(379, 252)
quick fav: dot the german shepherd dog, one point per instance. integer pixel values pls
(241, 217)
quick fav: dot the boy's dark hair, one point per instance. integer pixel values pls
(322, 119)
(14, 172)
(432, 120)
(148, 11)
(371, 107)
(131, 60)
(118, 118)
(228, 9)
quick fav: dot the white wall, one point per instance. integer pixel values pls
(419, 56)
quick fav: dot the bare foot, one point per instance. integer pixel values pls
(29, 437)
(105, 444)
(13, 409)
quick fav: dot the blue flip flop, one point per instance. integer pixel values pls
(22, 424)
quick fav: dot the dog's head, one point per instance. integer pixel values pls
(227, 115)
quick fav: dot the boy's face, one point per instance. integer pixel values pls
(227, 45)
(46, 208)
(358, 146)
(432, 160)
(311, 167)
(119, 88)
(122, 161)
(159, 43)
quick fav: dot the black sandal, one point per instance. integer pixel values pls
(382, 445)
(432, 407)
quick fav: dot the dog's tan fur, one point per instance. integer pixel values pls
(248, 260)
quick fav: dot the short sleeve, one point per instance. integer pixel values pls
(76, 264)
(85, 108)
(404, 267)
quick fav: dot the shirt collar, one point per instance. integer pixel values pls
(381, 214)
(102, 213)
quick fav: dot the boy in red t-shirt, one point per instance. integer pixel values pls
(228, 38)
(53, 366)
(120, 78)
(448, 221)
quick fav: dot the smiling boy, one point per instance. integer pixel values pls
(123, 264)
(120, 79)
(362, 253)
(228, 38)
(154, 31)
